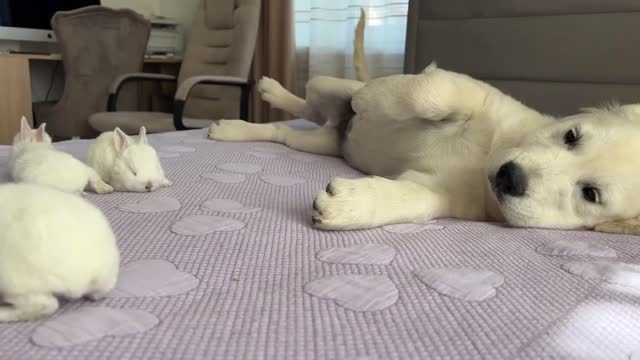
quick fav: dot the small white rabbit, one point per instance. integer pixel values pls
(127, 164)
(34, 160)
(52, 244)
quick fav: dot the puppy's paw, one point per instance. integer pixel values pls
(228, 130)
(272, 92)
(267, 85)
(628, 227)
(346, 204)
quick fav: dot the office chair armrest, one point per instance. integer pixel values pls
(116, 85)
(187, 85)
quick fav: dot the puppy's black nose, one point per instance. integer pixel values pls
(511, 180)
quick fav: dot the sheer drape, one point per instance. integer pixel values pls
(325, 32)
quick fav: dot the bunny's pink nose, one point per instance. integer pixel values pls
(148, 186)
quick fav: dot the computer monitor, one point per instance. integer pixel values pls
(30, 20)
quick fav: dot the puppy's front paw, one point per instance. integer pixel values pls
(228, 130)
(346, 205)
(628, 227)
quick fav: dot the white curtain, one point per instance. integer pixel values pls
(325, 31)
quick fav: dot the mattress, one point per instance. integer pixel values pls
(225, 264)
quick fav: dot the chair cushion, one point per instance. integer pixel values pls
(131, 121)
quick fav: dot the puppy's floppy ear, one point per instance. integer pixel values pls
(632, 111)
(627, 227)
(120, 140)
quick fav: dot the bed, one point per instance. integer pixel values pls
(226, 265)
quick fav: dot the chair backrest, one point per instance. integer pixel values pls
(97, 44)
(222, 42)
(554, 55)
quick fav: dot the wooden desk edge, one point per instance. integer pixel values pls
(58, 57)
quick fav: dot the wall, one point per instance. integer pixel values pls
(182, 10)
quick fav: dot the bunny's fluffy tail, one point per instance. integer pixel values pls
(362, 72)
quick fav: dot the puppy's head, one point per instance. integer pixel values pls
(581, 171)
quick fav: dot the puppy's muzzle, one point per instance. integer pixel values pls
(510, 180)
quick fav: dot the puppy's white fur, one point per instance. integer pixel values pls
(34, 160)
(52, 244)
(432, 141)
(125, 163)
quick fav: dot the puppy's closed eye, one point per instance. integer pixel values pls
(572, 137)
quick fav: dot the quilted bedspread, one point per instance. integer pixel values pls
(226, 265)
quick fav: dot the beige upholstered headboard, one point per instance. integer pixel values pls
(554, 55)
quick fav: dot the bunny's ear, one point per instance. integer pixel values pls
(24, 124)
(143, 135)
(41, 133)
(120, 140)
(25, 129)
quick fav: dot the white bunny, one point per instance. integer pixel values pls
(52, 244)
(127, 164)
(34, 160)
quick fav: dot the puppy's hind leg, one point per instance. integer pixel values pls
(27, 307)
(321, 141)
(328, 102)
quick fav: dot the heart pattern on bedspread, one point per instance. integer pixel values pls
(612, 272)
(176, 149)
(152, 205)
(373, 254)
(201, 225)
(227, 205)
(225, 178)
(152, 277)
(167, 155)
(462, 283)
(356, 292)
(575, 248)
(240, 168)
(92, 323)
(412, 228)
(263, 155)
(285, 181)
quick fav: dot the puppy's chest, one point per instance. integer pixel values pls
(388, 148)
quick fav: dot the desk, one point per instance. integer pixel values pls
(15, 88)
